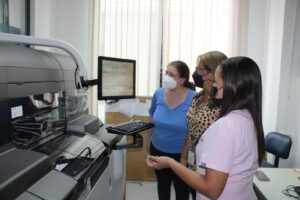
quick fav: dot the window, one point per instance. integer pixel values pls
(156, 32)
(14, 16)
(132, 29)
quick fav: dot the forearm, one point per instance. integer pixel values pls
(206, 186)
(184, 152)
(190, 177)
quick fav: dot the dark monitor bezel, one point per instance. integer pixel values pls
(100, 67)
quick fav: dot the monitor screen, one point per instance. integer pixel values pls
(116, 78)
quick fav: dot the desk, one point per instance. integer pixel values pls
(280, 178)
(136, 168)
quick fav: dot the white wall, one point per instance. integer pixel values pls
(40, 18)
(287, 111)
(69, 21)
(264, 46)
(288, 108)
(295, 95)
(272, 43)
(65, 20)
(257, 31)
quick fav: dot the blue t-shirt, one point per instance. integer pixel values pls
(170, 124)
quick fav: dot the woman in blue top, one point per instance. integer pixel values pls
(168, 112)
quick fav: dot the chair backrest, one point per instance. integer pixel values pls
(279, 145)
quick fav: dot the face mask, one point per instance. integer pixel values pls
(214, 101)
(168, 82)
(197, 80)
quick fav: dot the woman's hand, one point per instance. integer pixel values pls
(158, 162)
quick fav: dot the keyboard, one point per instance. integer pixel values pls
(130, 127)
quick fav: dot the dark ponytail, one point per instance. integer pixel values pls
(190, 85)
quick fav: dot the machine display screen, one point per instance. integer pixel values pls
(116, 78)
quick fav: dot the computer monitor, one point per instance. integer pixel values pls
(116, 78)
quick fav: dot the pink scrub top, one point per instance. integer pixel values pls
(229, 145)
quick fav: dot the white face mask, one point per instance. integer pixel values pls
(168, 82)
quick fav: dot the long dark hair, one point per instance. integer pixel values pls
(184, 72)
(243, 90)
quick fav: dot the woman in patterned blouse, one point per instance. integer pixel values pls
(203, 110)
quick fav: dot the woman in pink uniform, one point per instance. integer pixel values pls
(230, 150)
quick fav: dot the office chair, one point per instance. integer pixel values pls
(279, 145)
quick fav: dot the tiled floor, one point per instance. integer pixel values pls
(143, 190)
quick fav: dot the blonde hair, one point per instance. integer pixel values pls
(211, 60)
